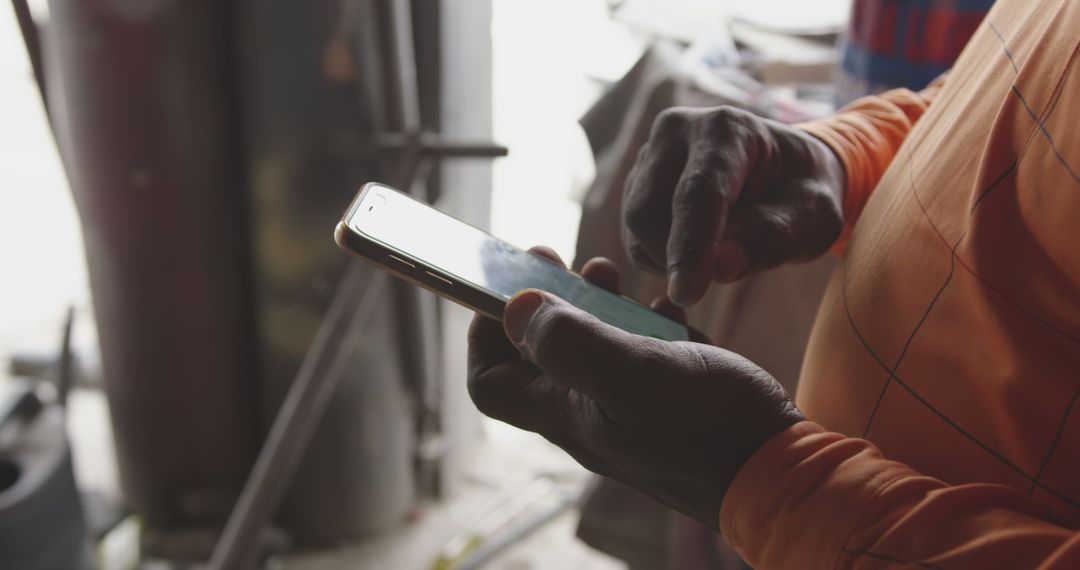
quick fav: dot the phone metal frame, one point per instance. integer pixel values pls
(394, 261)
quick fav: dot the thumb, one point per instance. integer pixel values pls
(770, 234)
(761, 237)
(572, 347)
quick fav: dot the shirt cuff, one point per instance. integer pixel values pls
(798, 498)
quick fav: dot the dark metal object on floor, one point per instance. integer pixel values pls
(65, 367)
(41, 518)
(42, 523)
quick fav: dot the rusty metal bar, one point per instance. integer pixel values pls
(297, 419)
(32, 40)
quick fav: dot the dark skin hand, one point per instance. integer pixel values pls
(675, 420)
(718, 193)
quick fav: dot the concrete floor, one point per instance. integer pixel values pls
(502, 466)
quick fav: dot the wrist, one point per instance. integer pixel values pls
(767, 425)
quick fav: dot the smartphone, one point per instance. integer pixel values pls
(469, 266)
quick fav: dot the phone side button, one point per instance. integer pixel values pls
(440, 278)
(401, 261)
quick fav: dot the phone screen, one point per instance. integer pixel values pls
(483, 261)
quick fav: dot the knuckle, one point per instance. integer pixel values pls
(712, 156)
(638, 218)
(776, 219)
(640, 258)
(700, 198)
(826, 200)
(669, 124)
(484, 393)
(727, 113)
(732, 124)
(775, 242)
(779, 226)
(558, 326)
(831, 218)
(821, 219)
(727, 117)
(700, 186)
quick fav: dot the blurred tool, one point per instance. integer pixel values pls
(41, 365)
(41, 515)
(41, 519)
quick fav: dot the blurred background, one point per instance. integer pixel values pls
(170, 174)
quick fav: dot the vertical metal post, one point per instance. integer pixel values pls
(310, 392)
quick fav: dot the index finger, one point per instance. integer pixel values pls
(708, 189)
(699, 211)
(646, 215)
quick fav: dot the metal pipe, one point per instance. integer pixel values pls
(429, 144)
(402, 67)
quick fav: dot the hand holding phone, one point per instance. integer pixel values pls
(674, 420)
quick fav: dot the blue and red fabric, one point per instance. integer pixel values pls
(907, 43)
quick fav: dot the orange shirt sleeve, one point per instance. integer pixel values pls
(865, 136)
(814, 499)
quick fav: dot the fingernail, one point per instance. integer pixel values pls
(519, 312)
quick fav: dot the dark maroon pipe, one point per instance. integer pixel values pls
(142, 99)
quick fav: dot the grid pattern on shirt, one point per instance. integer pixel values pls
(894, 381)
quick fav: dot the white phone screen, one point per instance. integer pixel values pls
(479, 259)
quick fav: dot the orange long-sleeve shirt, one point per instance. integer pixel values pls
(945, 361)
